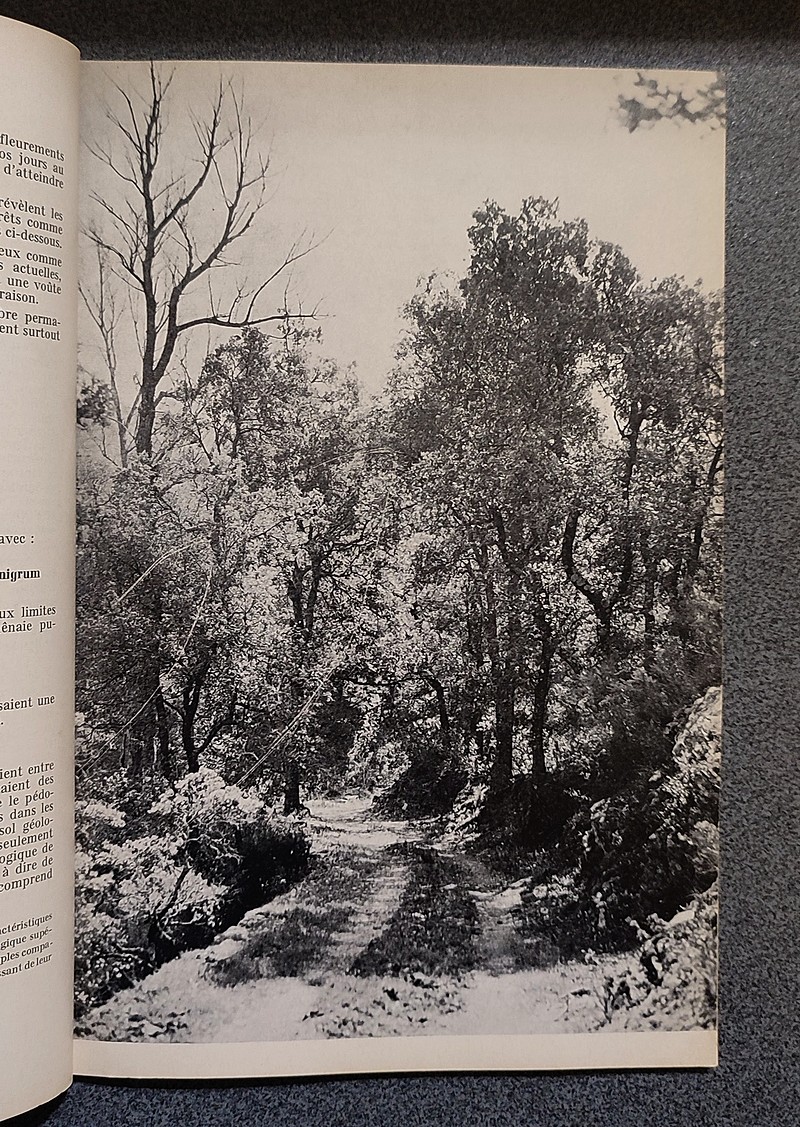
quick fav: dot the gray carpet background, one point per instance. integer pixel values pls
(758, 1081)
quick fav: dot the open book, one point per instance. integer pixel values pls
(394, 729)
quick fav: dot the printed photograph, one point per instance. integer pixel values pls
(399, 551)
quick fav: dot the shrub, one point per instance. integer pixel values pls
(232, 838)
(204, 817)
(274, 854)
(142, 897)
(136, 906)
(671, 982)
(652, 848)
(427, 788)
(646, 850)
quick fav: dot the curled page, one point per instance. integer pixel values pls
(38, 305)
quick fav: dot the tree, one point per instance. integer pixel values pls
(168, 230)
(493, 387)
(283, 434)
(651, 101)
(558, 420)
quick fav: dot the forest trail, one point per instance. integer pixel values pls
(388, 934)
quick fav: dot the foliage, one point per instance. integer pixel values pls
(231, 838)
(500, 581)
(136, 903)
(421, 791)
(647, 850)
(652, 100)
(671, 981)
(142, 897)
(559, 418)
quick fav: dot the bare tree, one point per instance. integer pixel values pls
(163, 239)
(105, 314)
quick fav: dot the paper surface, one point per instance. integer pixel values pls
(38, 308)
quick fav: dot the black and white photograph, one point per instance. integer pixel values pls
(399, 552)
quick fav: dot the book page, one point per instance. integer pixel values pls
(38, 306)
(399, 569)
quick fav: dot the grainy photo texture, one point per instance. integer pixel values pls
(400, 476)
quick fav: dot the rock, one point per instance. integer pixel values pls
(224, 949)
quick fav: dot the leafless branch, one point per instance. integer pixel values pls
(157, 239)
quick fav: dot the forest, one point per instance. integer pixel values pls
(484, 604)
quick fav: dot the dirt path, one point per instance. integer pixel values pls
(387, 935)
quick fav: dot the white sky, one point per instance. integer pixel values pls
(386, 164)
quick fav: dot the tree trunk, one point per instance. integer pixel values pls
(504, 710)
(291, 791)
(122, 430)
(191, 704)
(541, 695)
(602, 605)
(139, 749)
(164, 760)
(604, 632)
(189, 746)
(648, 600)
(146, 420)
(503, 689)
(144, 728)
(636, 417)
(444, 716)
